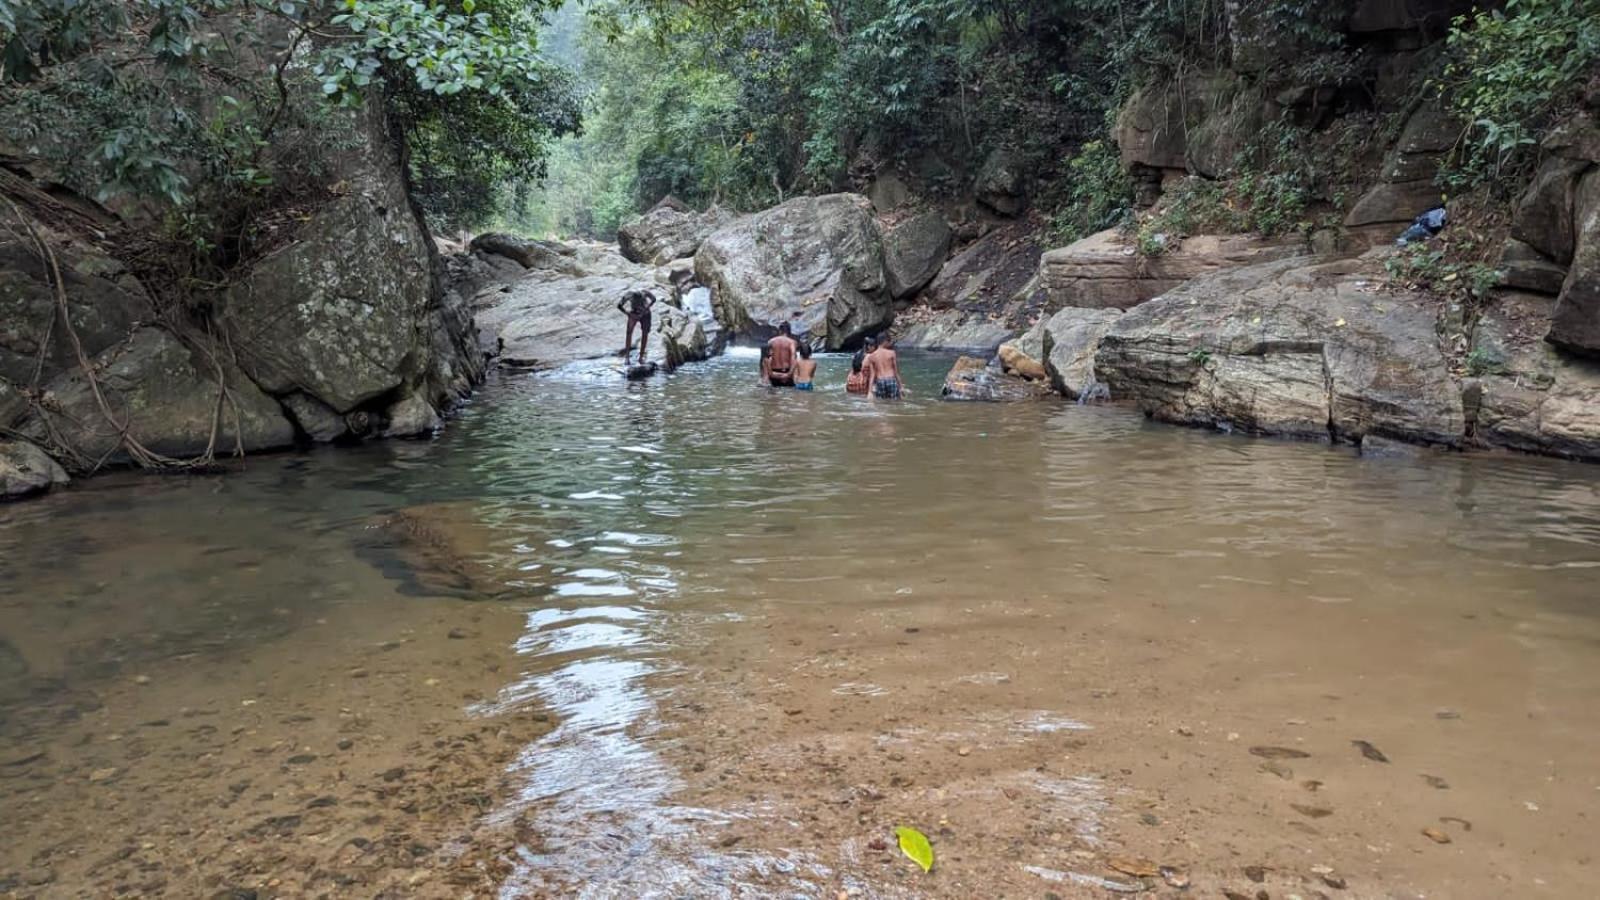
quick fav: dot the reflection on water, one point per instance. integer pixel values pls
(767, 624)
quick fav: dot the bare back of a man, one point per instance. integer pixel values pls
(883, 370)
(784, 350)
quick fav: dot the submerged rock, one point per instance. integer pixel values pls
(974, 379)
(25, 470)
(1288, 348)
(819, 256)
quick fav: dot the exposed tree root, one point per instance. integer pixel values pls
(137, 452)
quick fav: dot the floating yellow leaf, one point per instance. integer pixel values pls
(914, 844)
(1339, 324)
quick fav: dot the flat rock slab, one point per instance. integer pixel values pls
(1291, 348)
(1103, 271)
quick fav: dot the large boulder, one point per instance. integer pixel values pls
(530, 253)
(668, 232)
(1288, 348)
(169, 399)
(545, 321)
(344, 312)
(819, 256)
(25, 470)
(1523, 394)
(951, 329)
(972, 378)
(1575, 326)
(1105, 271)
(999, 184)
(1071, 339)
(913, 251)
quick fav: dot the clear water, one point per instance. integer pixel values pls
(767, 627)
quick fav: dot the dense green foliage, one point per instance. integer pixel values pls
(216, 108)
(1510, 70)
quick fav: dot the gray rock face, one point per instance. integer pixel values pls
(1524, 268)
(1575, 326)
(988, 274)
(319, 422)
(953, 329)
(411, 416)
(1071, 339)
(1406, 189)
(1544, 215)
(1527, 396)
(820, 256)
(913, 251)
(999, 184)
(168, 396)
(544, 321)
(103, 304)
(343, 312)
(1290, 349)
(527, 252)
(1102, 271)
(888, 193)
(25, 470)
(973, 379)
(666, 233)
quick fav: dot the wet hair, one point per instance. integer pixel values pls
(805, 351)
(859, 360)
(884, 339)
(784, 328)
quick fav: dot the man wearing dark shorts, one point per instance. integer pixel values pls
(636, 306)
(780, 372)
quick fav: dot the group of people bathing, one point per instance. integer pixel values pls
(875, 368)
(786, 359)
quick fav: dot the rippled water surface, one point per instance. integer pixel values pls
(750, 632)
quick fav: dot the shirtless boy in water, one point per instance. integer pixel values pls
(883, 370)
(636, 306)
(805, 371)
(857, 383)
(780, 370)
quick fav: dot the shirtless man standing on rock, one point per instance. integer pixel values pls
(636, 306)
(780, 370)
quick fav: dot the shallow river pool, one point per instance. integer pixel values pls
(693, 637)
